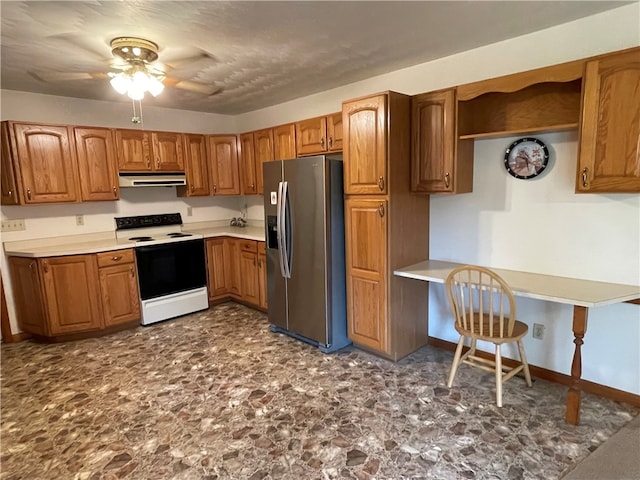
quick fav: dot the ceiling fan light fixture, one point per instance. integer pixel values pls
(121, 83)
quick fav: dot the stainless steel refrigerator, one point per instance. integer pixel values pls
(304, 221)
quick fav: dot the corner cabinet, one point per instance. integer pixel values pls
(387, 227)
(440, 161)
(609, 149)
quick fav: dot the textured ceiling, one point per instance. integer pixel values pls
(262, 53)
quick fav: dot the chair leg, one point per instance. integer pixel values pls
(456, 361)
(498, 376)
(523, 359)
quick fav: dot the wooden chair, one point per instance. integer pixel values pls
(484, 308)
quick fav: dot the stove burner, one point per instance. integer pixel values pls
(141, 239)
(178, 234)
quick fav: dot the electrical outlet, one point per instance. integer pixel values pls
(538, 331)
(13, 225)
(79, 219)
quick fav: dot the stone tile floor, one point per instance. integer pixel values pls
(215, 395)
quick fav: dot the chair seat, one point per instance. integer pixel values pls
(519, 330)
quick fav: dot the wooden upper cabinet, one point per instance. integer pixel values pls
(319, 135)
(263, 151)
(223, 161)
(195, 166)
(9, 189)
(45, 162)
(284, 142)
(609, 149)
(96, 164)
(365, 145)
(248, 164)
(437, 165)
(167, 151)
(133, 150)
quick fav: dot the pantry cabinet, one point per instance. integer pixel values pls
(45, 163)
(196, 167)
(97, 167)
(224, 164)
(440, 161)
(319, 135)
(386, 227)
(118, 287)
(609, 148)
(365, 158)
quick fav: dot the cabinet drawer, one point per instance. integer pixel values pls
(248, 246)
(115, 257)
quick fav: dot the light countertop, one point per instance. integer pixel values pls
(106, 241)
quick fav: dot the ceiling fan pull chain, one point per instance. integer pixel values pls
(137, 119)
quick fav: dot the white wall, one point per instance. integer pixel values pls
(537, 225)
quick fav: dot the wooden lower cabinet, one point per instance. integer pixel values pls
(235, 270)
(74, 294)
(118, 287)
(366, 242)
(262, 274)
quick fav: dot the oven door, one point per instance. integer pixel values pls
(170, 268)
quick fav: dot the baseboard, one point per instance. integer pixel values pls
(550, 375)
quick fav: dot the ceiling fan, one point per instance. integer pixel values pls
(138, 74)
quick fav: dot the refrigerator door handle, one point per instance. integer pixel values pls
(280, 227)
(286, 231)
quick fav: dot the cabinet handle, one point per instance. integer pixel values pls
(31, 266)
(585, 177)
(252, 186)
(215, 188)
(322, 142)
(45, 264)
(29, 193)
(381, 182)
(158, 162)
(191, 188)
(330, 142)
(115, 192)
(133, 274)
(147, 161)
(381, 210)
(115, 258)
(446, 180)
(10, 193)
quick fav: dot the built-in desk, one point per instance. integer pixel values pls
(582, 294)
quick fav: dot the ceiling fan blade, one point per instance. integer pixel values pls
(190, 86)
(67, 76)
(97, 49)
(180, 62)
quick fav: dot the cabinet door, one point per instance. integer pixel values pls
(119, 290)
(167, 151)
(133, 149)
(223, 159)
(334, 132)
(432, 140)
(195, 167)
(609, 158)
(311, 136)
(232, 266)
(262, 274)
(72, 293)
(263, 148)
(249, 287)
(96, 164)
(284, 142)
(365, 145)
(7, 173)
(248, 165)
(27, 295)
(216, 267)
(46, 163)
(366, 246)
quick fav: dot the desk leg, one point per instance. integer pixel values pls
(572, 414)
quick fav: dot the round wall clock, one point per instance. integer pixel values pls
(526, 158)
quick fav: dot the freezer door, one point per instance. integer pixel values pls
(276, 284)
(307, 287)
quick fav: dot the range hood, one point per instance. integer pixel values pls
(152, 179)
